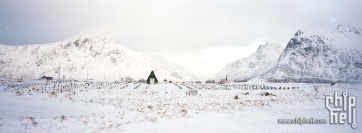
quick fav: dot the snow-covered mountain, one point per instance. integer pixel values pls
(258, 63)
(183, 72)
(331, 57)
(99, 57)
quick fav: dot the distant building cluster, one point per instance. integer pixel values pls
(224, 81)
(152, 79)
(210, 81)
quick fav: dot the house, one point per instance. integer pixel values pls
(42, 79)
(129, 79)
(224, 81)
(46, 78)
(142, 80)
(167, 81)
(210, 81)
(152, 78)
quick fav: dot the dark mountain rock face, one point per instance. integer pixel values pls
(331, 57)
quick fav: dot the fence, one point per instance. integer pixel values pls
(39, 83)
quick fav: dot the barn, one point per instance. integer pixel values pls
(46, 78)
(152, 78)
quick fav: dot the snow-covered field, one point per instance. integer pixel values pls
(119, 107)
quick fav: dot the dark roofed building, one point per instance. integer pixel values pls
(45, 77)
(152, 78)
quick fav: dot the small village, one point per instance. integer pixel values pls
(192, 86)
(237, 66)
(114, 106)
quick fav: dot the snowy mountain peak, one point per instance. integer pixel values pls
(268, 46)
(93, 57)
(299, 33)
(93, 39)
(271, 43)
(252, 66)
(177, 70)
(329, 57)
(343, 28)
(93, 36)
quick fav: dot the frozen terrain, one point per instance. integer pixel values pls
(264, 58)
(80, 58)
(329, 57)
(99, 106)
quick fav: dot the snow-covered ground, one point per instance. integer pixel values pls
(116, 107)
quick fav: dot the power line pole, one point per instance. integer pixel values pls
(59, 75)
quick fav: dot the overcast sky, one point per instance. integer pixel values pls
(203, 35)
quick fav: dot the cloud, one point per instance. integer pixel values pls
(207, 62)
(50, 16)
(192, 28)
(185, 25)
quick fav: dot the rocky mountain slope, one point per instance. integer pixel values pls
(330, 57)
(99, 57)
(253, 66)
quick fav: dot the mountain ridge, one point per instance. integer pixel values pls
(186, 73)
(252, 66)
(329, 57)
(99, 56)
